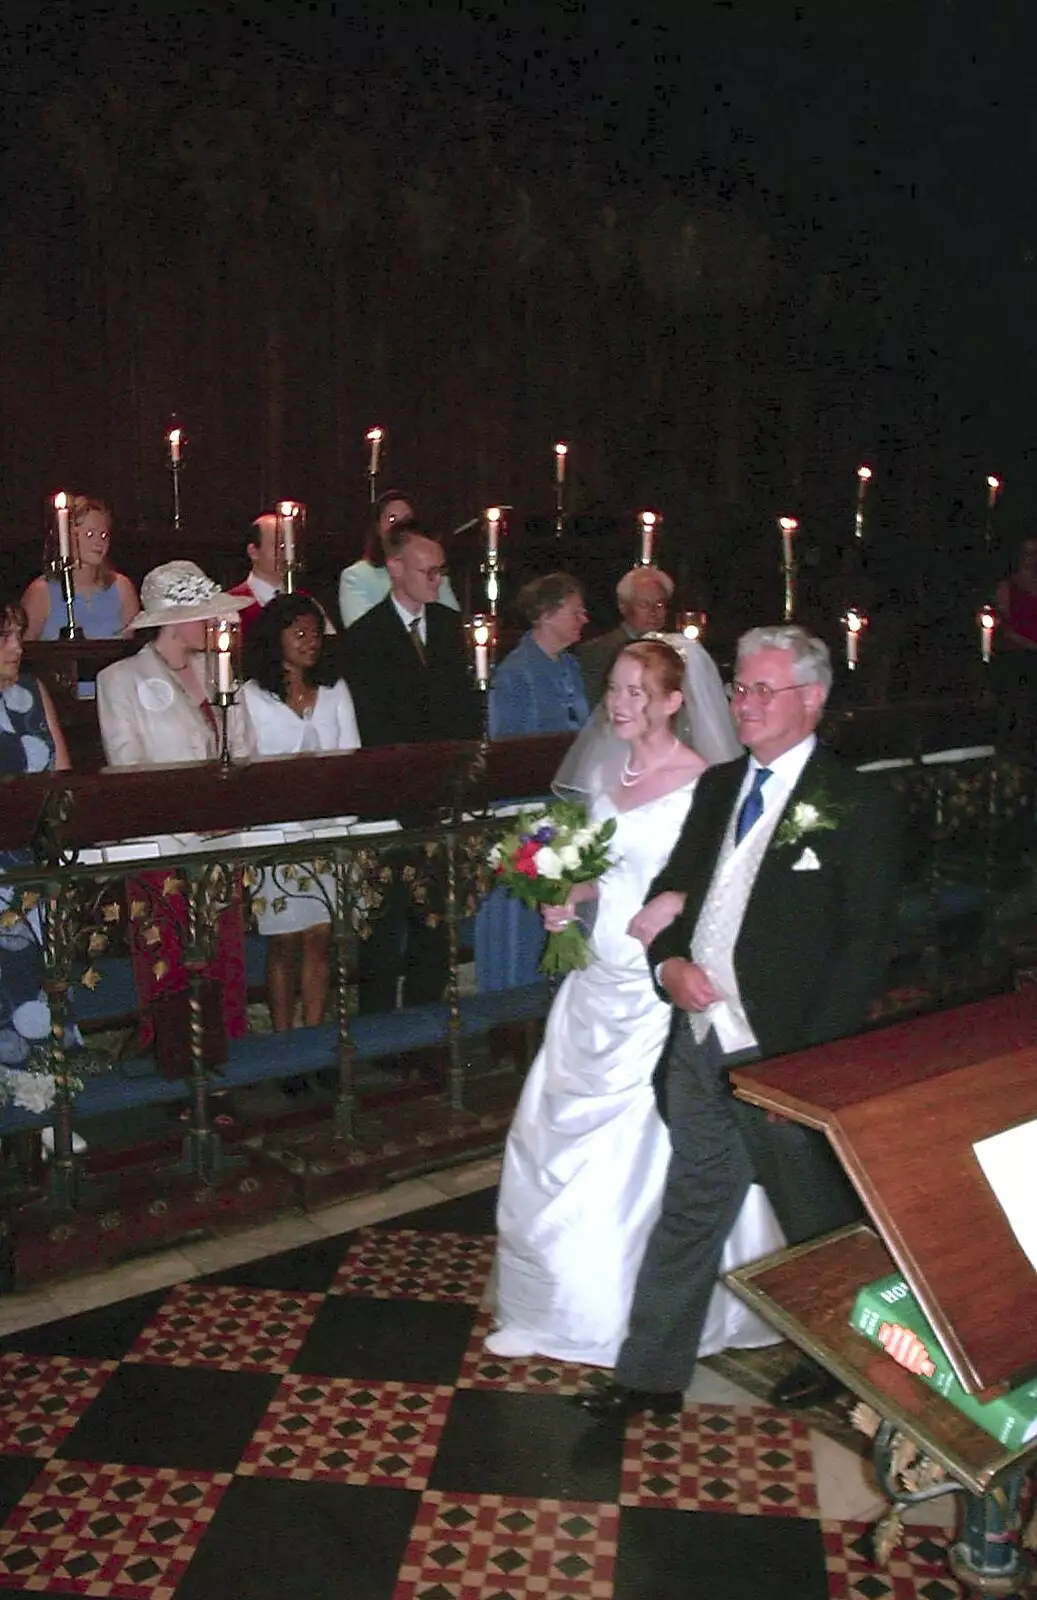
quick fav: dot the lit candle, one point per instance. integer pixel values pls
(993, 490)
(987, 619)
(224, 662)
(854, 623)
(561, 452)
(493, 522)
(788, 526)
(175, 437)
(863, 479)
(287, 511)
(374, 437)
(481, 639)
(692, 624)
(61, 512)
(648, 521)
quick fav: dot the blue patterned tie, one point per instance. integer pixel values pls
(752, 806)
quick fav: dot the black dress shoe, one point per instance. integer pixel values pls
(806, 1385)
(616, 1401)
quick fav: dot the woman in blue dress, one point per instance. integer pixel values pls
(538, 688)
(106, 600)
(30, 741)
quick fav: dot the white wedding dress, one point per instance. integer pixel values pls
(587, 1152)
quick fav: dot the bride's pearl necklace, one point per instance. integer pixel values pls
(628, 777)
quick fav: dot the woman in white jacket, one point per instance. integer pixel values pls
(154, 710)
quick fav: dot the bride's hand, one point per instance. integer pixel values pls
(655, 916)
(558, 917)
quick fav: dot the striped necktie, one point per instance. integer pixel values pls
(414, 629)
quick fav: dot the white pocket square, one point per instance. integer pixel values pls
(807, 862)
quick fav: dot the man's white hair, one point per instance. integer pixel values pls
(626, 588)
(811, 662)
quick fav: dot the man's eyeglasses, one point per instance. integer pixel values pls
(740, 692)
(432, 572)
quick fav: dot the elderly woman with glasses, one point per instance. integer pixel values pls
(106, 600)
(538, 688)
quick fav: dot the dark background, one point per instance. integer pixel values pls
(728, 250)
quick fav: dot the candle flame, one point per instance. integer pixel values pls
(480, 630)
(223, 642)
(855, 620)
(864, 473)
(374, 435)
(561, 448)
(993, 483)
(788, 524)
(648, 519)
(175, 435)
(61, 501)
(287, 508)
(987, 619)
(493, 514)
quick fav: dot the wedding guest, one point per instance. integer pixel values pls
(538, 688)
(30, 741)
(362, 585)
(106, 600)
(154, 709)
(298, 704)
(1015, 661)
(642, 596)
(265, 576)
(587, 1153)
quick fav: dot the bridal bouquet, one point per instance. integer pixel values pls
(541, 860)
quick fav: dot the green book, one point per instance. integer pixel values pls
(887, 1313)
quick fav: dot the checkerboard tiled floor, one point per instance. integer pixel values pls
(325, 1423)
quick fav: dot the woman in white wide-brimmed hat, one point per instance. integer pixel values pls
(153, 709)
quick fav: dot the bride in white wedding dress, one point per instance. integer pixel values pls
(587, 1152)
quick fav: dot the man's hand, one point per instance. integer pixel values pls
(655, 916)
(687, 984)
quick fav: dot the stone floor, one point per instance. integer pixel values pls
(304, 1409)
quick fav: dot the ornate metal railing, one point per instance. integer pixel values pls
(969, 827)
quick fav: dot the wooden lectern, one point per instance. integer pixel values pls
(902, 1108)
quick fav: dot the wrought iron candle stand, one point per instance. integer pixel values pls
(58, 557)
(175, 441)
(561, 462)
(374, 438)
(789, 527)
(291, 522)
(223, 655)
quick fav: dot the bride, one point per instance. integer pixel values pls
(587, 1152)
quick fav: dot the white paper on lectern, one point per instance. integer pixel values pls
(1009, 1162)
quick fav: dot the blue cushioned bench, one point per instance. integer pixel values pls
(260, 1057)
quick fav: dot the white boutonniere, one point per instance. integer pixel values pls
(808, 816)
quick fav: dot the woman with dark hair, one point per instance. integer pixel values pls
(30, 741)
(366, 582)
(538, 688)
(297, 704)
(106, 600)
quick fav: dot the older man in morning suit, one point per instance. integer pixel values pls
(785, 874)
(407, 670)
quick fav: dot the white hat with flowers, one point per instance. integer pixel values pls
(179, 591)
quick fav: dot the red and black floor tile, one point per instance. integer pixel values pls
(325, 1422)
